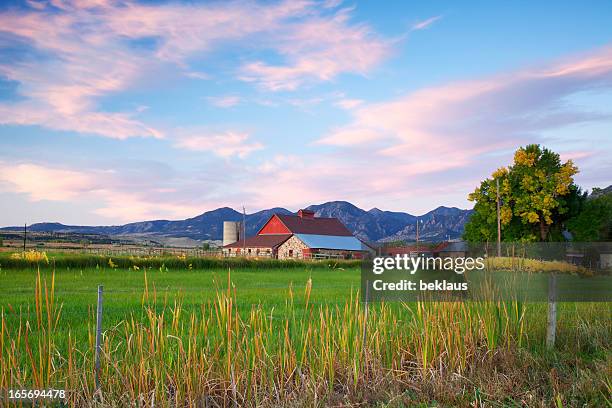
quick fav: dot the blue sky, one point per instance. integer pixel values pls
(118, 111)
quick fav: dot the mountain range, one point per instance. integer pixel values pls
(374, 225)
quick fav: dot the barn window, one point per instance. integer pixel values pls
(291, 253)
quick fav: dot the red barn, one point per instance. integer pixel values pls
(300, 236)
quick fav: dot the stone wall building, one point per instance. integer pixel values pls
(301, 236)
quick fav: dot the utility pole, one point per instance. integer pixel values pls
(417, 233)
(25, 233)
(498, 223)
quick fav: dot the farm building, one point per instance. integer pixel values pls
(442, 250)
(457, 249)
(299, 236)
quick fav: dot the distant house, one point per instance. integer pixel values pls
(593, 255)
(411, 250)
(457, 249)
(301, 236)
(442, 250)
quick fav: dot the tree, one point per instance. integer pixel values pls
(594, 222)
(537, 195)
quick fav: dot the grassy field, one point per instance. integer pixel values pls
(128, 291)
(286, 335)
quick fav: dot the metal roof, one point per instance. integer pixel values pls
(347, 243)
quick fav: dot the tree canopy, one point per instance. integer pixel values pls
(537, 196)
(594, 222)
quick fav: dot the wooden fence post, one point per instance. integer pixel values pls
(365, 317)
(98, 336)
(551, 327)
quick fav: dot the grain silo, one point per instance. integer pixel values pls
(231, 232)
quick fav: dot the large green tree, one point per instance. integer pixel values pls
(537, 195)
(594, 222)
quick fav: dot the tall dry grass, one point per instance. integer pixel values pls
(313, 355)
(529, 265)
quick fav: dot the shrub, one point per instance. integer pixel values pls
(30, 257)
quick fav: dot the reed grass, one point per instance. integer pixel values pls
(461, 354)
(529, 265)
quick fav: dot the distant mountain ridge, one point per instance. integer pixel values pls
(374, 225)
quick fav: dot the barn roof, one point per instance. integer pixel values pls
(331, 242)
(315, 226)
(261, 241)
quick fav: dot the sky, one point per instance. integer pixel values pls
(122, 111)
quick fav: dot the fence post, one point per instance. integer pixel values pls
(365, 317)
(98, 336)
(551, 327)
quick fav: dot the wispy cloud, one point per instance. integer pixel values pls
(224, 101)
(319, 49)
(82, 51)
(480, 113)
(198, 75)
(224, 144)
(349, 104)
(456, 133)
(134, 193)
(422, 25)
(43, 183)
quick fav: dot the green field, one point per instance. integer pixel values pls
(286, 335)
(124, 290)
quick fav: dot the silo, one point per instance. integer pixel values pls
(231, 232)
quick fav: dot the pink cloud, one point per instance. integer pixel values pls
(225, 144)
(60, 90)
(224, 101)
(576, 155)
(86, 53)
(42, 183)
(434, 139)
(479, 114)
(128, 207)
(349, 104)
(349, 136)
(132, 194)
(319, 49)
(189, 28)
(422, 25)
(430, 146)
